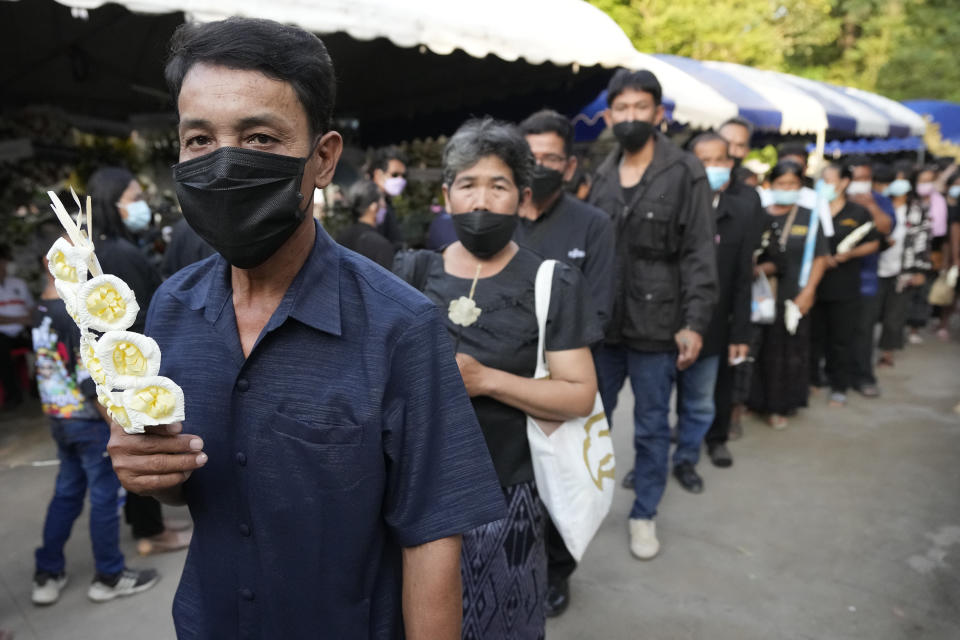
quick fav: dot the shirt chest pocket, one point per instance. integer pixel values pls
(316, 432)
(652, 230)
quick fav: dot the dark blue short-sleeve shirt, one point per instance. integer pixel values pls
(345, 436)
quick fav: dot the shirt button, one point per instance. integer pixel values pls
(649, 214)
(243, 384)
(246, 594)
(241, 458)
(649, 296)
(244, 530)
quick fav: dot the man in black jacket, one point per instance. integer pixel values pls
(665, 281)
(706, 402)
(559, 226)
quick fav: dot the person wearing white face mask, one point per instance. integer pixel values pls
(388, 169)
(780, 383)
(902, 266)
(884, 220)
(836, 312)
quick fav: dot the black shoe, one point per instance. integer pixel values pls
(557, 600)
(627, 480)
(688, 477)
(720, 455)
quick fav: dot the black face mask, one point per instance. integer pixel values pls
(484, 233)
(244, 203)
(633, 134)
(546, 182)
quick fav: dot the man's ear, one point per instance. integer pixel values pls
(526, 196)
(446, 197)
(571, 169)
(327, 156)
(659, 115)
(608, 118)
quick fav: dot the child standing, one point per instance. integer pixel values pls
(79, 427)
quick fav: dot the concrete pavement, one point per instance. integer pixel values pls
(844, 526)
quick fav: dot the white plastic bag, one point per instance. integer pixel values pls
(573, 466)
(763, 306)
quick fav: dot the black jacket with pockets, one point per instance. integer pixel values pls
(666, 269)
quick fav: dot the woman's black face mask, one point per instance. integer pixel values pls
(484, 233)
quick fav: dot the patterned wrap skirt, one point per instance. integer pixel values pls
(503, 567)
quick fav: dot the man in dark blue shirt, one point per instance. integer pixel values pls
(867, 194)
(333, 457)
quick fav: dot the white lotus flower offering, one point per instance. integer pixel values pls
(88, 354)
(123, 364)
(106, 303)
(68, 292)
(464, 311)
(854, 237)
(126, 357)
(68, 263)
(154, 400)
(791, 316)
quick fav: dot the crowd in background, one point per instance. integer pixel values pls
(665, 254)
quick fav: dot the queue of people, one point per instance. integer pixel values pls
(355, 454)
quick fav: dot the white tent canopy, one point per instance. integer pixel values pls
(564, 32)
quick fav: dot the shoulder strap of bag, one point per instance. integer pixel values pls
(542, 291)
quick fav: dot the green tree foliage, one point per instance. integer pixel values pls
(900, 48)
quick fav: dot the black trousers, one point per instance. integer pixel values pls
(893, 314)
(144, 516)
(833, 325)
(8, 377)
(867, 317)
(723, 402)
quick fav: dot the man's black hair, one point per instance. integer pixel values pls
(279, 51)
(641, 80)
(382, 157)
(883, 173)
(549, 121)
(740, 122)
(709, 136)
(858, 161)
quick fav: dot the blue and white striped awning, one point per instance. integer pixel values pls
(705, 94)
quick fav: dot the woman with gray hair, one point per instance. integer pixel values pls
(366, 205)
(485, 283)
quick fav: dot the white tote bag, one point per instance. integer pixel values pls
(574, 466)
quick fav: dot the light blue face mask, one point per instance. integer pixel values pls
(785, 198)
(954, 191)
(138, 215)
(717, 177)
(826, 190)
(899, 187)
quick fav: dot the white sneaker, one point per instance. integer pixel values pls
(127, 583)
(643, 539)
(47, 587)
(914, 338)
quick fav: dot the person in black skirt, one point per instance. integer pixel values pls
(486, 175)
(782, 372)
